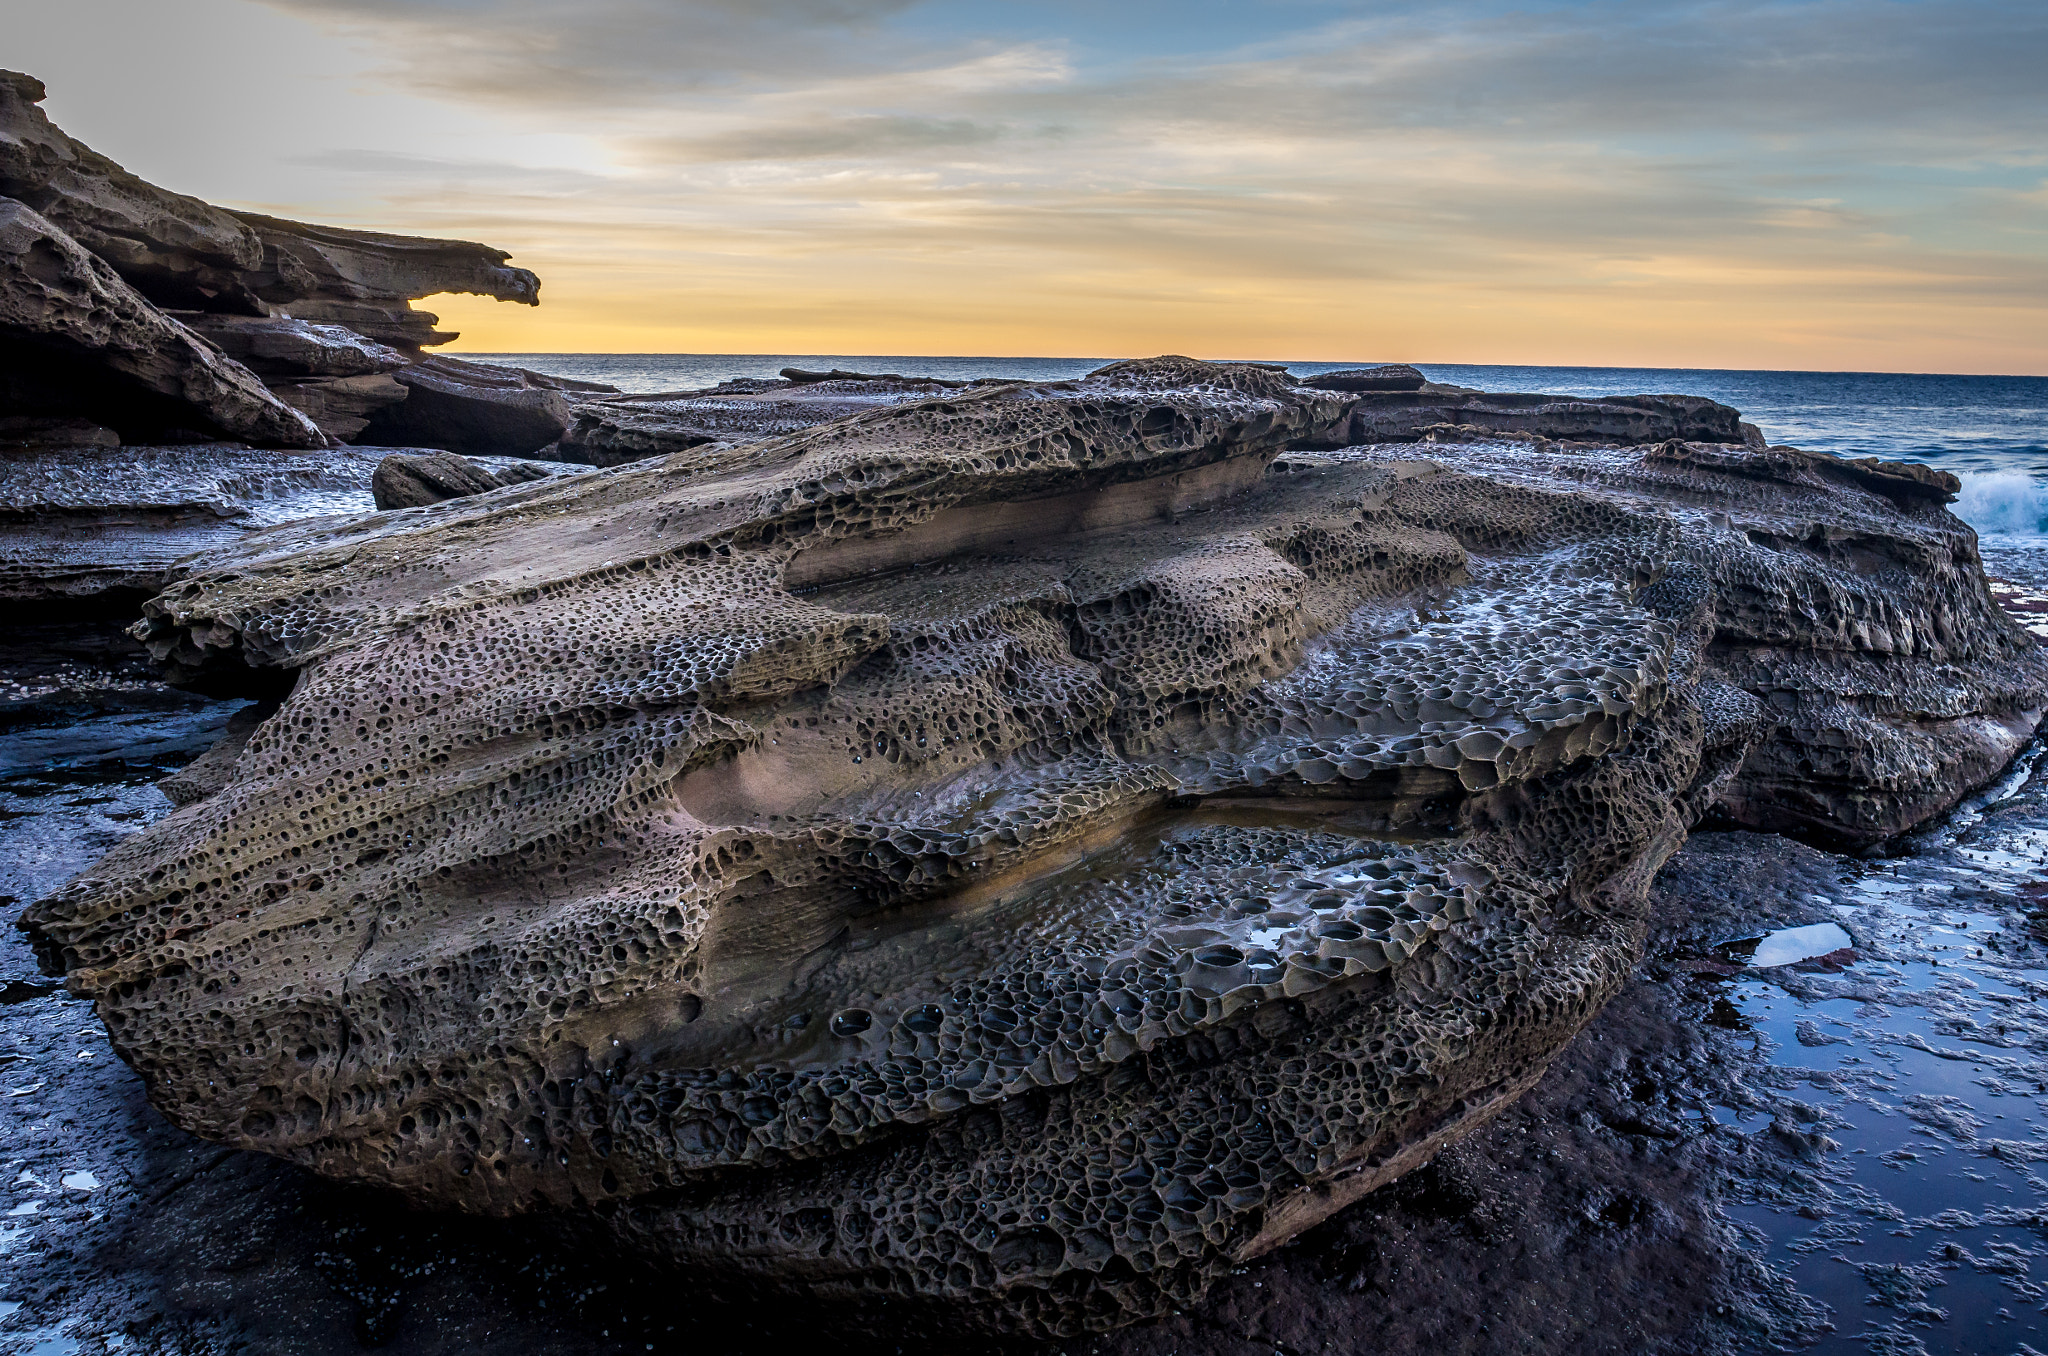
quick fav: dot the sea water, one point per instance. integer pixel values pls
(1990, 431)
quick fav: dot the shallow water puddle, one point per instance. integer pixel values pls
(1789, 946)
(1906, 1082)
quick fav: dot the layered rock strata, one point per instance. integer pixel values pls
(611, 432)
(322, 315)
(480, 409)
(1021, 852)
(1389, 413)
(74, 335)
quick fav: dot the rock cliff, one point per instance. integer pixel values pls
(1020, 851)
(322, 315)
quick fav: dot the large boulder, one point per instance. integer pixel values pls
(416, 479)
(478, 408)
(77, 340)
(1019, 854)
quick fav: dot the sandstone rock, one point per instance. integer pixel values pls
(1022, 853)
(175, 249)
(181, 252)
(1391, 377)
(477, 408)
(306, 263)
(280, 348)
(631, 428)
(414, 480)
(803, 377)
(76, 339)
(1401, 416)
(342, 406)
(329, 373)
(90, 522)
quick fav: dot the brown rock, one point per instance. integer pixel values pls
(477, 408)
(632, 428)
(183, 253)
(1392, 377)
(1627, 421)
(77, 340)
(413, 480)
(174, 249)
(1019, 854)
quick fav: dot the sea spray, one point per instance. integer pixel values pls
(2003, 503)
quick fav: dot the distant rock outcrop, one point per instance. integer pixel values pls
(1392, 377)
(1016, 854)
(1381, 416)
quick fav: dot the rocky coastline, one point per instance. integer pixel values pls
(1001, 856)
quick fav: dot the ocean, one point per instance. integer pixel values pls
(1991, 431)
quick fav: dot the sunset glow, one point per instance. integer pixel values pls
(1804, 185)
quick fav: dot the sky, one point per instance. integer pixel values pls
(1823, 185)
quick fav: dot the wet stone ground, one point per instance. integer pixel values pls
(1817, 1120)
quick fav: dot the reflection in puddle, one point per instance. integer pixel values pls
(1906, 1085)
(1792, 945)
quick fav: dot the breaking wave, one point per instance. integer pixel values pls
(2003, 503)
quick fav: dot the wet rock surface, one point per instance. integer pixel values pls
(100, 526)
(1292, 815)
(1683, 1175)
(104, 524)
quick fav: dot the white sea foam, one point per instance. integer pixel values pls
(2003, 503)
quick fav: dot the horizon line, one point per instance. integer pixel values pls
(1284, 362)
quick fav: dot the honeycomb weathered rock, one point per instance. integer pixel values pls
(1023, 851)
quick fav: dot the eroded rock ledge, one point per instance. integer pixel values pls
(165, 318)
(1021, 851)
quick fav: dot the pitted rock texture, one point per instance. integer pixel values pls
(76, 339)
(632, 428)
(1022, 852)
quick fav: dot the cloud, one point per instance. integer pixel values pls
(1468, 172)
